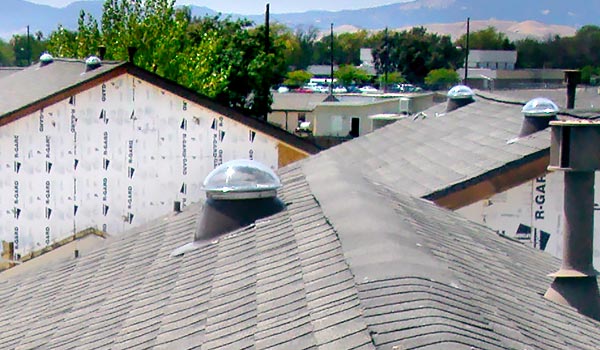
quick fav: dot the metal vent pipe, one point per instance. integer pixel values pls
(575, 151)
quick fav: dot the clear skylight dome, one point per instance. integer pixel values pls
(460, 91)
(540, 107)
(93, 61)
(241, 179)
(46, 58)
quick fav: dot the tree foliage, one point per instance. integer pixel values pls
(7, 55)
(25, 50)
(414, 53)
(486, 39)
(349, 74)
(222, 58)
(442, 78)
(392, 78)
(575, 52)
(297, 78)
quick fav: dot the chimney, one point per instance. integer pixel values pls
(101, 51)
(238, 193)
(538, 113)
(459, 96)
(574, 150)
(572, 78)
(131, 51)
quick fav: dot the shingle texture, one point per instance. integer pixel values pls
(428, 278)
(350, 264)
(36, 83)
(437, 150)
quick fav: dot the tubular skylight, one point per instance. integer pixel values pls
(540, 107)
(241, 179)
(460, 92)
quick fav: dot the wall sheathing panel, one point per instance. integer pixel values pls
(112, 157)
(533, 213)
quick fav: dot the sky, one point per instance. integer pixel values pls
(251, 7)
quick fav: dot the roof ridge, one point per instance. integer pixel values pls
(373, 241)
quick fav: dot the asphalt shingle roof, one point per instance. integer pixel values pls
(435, 150)
(350, 264)
(36, 83)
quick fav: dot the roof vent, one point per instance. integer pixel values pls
(459, 96)
(46, 59)
(92, 63)
(537, 115)
(238, 193)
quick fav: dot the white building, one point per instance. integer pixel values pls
(493, 59)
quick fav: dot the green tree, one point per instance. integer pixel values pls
(222, 58)
(26, 51)
(348, 74)
(575, 52)
(297, 78)
(589, 72)
(414, 53)
(300, 47)
(486, 39)
(392, 78)
(7, 55)
(442, 78)
(531, 54)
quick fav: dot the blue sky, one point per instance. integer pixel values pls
(247, 7)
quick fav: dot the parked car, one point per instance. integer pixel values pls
(352, 89)
(315, 87)
(339, 90)
(404, 88)
(304, 90)
(368, 89)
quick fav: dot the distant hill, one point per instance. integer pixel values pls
(572, 13)
(525, 17)
(513, 30)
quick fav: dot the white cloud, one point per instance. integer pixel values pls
(545, 12)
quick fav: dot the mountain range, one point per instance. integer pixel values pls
(537, 18)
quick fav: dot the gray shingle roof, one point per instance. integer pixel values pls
(351, 264)
(436, 150)
(36, 83)
(6, 71)
(585, 97)
(296, 102)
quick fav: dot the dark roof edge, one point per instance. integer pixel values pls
(563, 112)
(436, 195)
(191, 95)
(495, 99)
(61, 94)
(291, 110)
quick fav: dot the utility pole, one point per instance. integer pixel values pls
(386, 64)
(467, 51)
(267, 31)
(331, 75)
(28, 48)
(267, 91)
